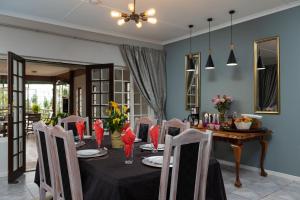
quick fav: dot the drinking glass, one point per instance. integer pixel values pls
(154, 150)
(129, 158)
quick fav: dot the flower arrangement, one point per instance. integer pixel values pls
(222, 103)
(117, 117)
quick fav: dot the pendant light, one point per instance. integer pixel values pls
(209, 63)
(260, 64)
(190, 61)
(231, 60)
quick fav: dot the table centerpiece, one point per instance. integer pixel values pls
(117, 118)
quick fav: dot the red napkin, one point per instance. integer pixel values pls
(125, 127)
(98, 126)
(80, 129)
(128, 138)
(154, 134)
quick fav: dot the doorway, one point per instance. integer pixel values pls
(49, 95)
(44, 91)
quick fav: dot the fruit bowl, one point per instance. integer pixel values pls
(243, 125)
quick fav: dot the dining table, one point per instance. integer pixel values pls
(109, 178)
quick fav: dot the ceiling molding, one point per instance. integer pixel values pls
(236, 21)
(74, 26)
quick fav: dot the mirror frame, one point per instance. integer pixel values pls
(198, 85)
(255, 56)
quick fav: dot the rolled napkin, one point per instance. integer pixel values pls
(154, 135)
(128, 138)
(125, 127)
(80, 129)
(99, 130)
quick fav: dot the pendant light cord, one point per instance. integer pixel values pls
(231, 30)
(134, 6)
(209, 37)
(190, 40)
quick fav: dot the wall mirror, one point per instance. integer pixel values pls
(192, 81)
(266, 76)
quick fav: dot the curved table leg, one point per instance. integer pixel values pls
(237, 150)
(264, 146)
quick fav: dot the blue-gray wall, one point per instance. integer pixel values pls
(284, 146)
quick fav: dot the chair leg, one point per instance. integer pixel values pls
(42, 194)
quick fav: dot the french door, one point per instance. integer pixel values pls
(16, 117)
(99, 90)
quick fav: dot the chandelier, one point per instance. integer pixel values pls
(147, 16)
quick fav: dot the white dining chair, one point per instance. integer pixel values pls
(141, 123)
(202, 140)
(48, 183)
(66, 164)
(168, 126)
(69, 123)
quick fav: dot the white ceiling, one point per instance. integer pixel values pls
(173, 15)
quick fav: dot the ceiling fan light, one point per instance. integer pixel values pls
(115, 14)
(121, 22)
(151, 12)
(131, 7)
(152, 20)
(139, 25)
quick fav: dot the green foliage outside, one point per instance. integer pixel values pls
(34, 99)
(35, 108)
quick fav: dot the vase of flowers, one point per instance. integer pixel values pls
(222, 104)
(117, 118)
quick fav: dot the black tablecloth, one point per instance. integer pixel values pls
(108, 178)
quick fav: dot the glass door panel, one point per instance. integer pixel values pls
(99, 83)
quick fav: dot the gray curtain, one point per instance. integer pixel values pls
(268, 87)
(148, 68)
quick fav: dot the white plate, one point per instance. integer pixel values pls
(102, 152)
(88, 152)
(137, 140)
(149, 147)
(79, 144)
(156, 161)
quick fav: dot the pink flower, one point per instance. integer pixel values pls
(229, 98)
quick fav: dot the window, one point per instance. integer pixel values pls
(140, 105)
(126, 93)
(62, 97)
(79, 101)
(3, 98)
(122, 86)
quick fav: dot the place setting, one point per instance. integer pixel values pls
(99, 133)
(154, 147)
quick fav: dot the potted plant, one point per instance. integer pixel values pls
(35, 108)
(117, 118)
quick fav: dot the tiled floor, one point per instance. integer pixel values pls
(254, 187)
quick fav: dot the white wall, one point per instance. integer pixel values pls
(49, 46)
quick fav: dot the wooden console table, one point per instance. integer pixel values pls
(236, 140)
